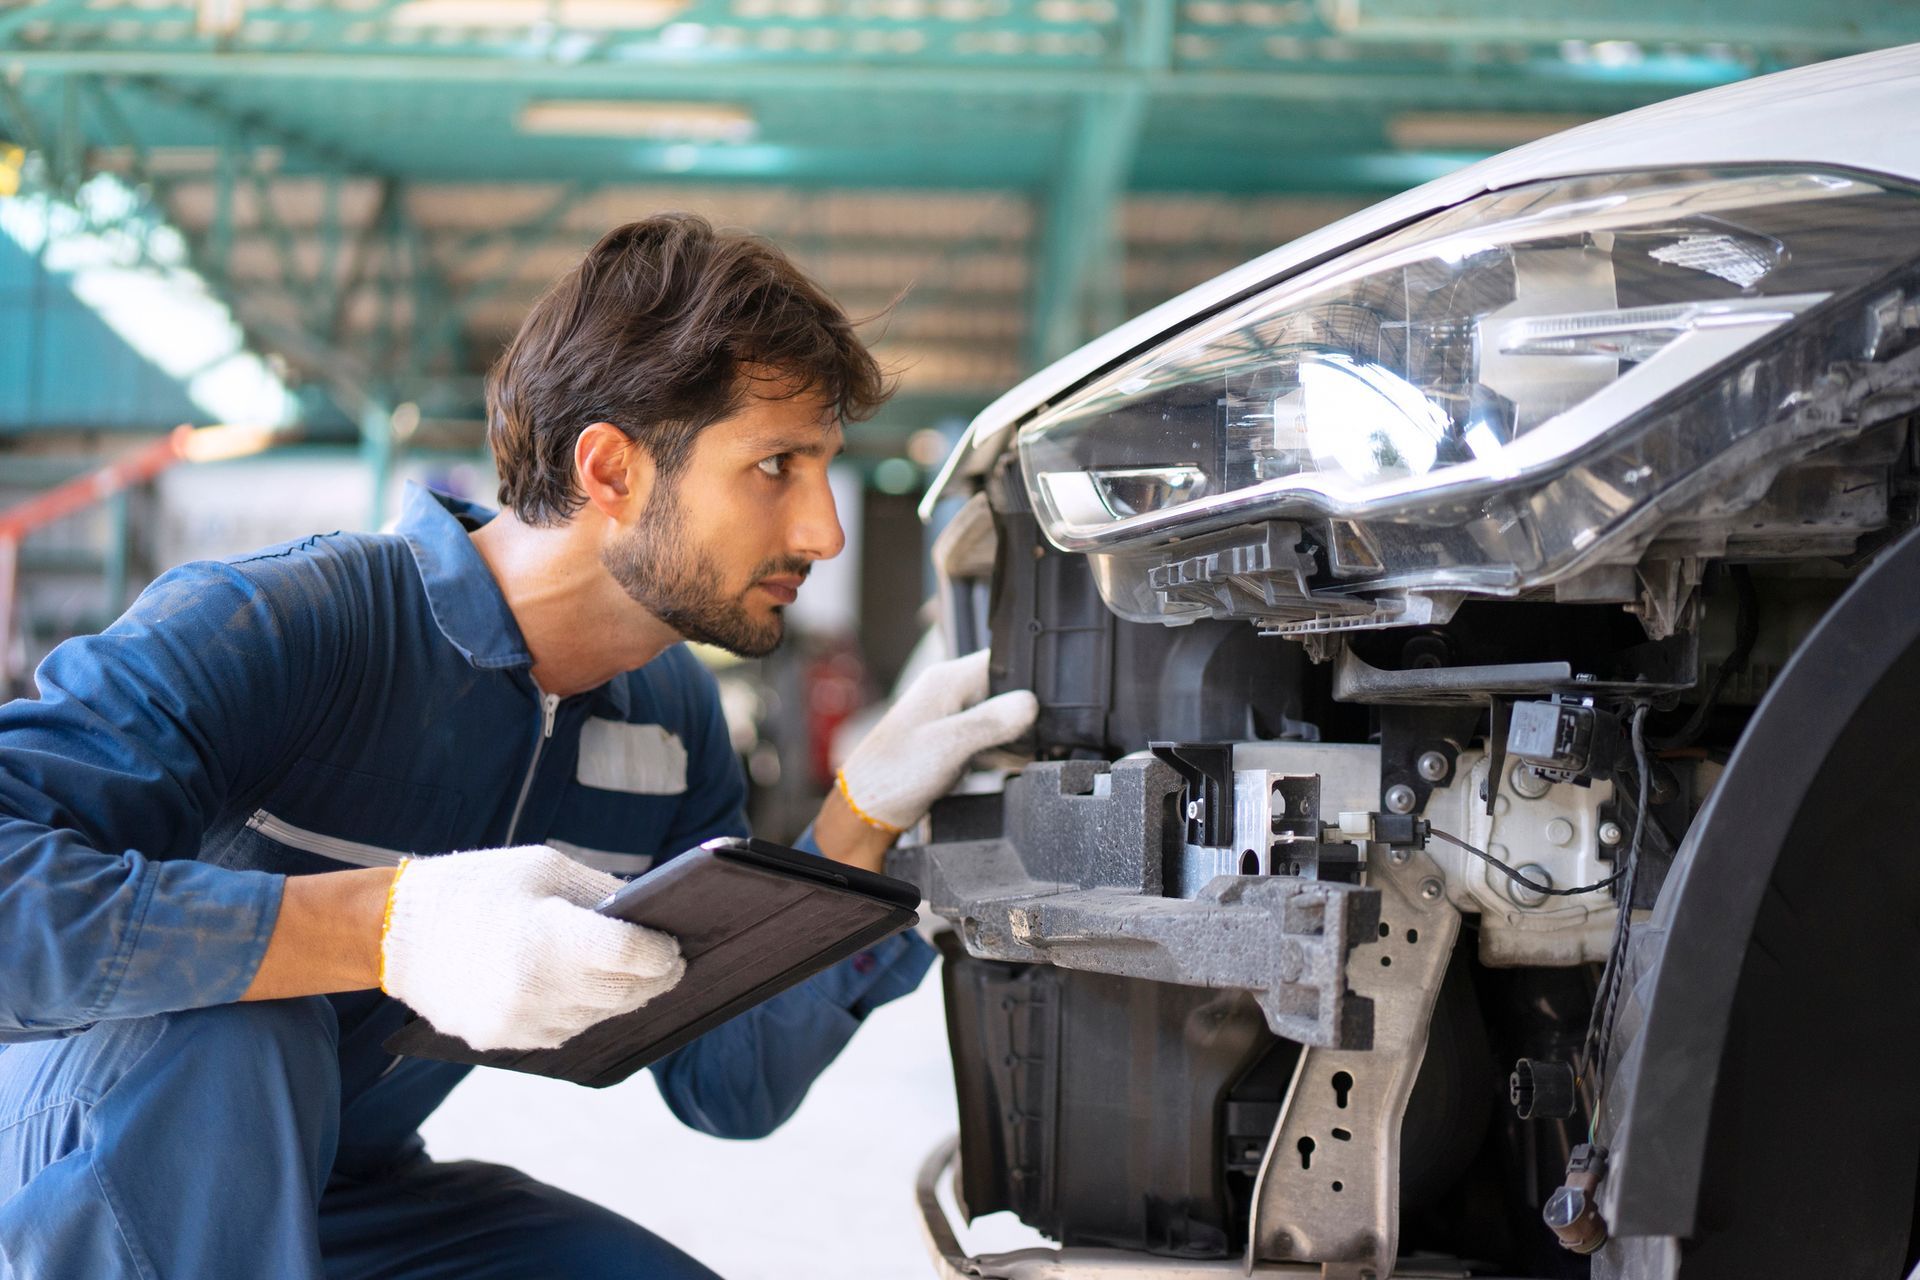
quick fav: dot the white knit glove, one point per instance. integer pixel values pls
(916, 752)
(501, 948)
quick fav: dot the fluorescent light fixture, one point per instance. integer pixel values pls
(222, 442)
(1490, 131)
(593, 15)
(188, 161)
(219, 17)
(131, 271)
(665, 121)
(750, 160)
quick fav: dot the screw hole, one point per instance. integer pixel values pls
(1342, 1086)
(1305, 1146)
(1386, 962)
(1339, 1187)
(1386, 930)
(1413, 936)
(1343, 1135)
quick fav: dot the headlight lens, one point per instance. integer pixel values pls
(1463, 361)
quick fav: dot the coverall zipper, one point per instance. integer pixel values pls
(339, 850)
(549, 705)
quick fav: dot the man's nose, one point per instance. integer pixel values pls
(816, 532)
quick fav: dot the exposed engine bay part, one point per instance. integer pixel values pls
(1088, 866)
(1573, 1210)
(952, 1262)
(1329, 1186)
(1542, 1089)
(1159, 1150)
(1091, 889)
(1107, 686)
(1077, 878)
(1522, 520)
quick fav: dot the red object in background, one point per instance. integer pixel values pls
(835, 680)
(63, 500)
(21, 519)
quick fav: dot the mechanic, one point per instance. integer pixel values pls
(210, 819)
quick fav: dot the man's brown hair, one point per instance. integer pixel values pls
(663, 330)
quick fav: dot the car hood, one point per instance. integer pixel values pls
(1845, 114)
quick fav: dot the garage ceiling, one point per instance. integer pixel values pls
(380, 188)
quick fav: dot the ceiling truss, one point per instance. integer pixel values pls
(1000, 178)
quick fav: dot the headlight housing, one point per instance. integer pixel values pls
(1489, 400)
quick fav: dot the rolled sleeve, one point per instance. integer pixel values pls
(198, 938)
(107, 783)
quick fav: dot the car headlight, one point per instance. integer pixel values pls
(1487, 400)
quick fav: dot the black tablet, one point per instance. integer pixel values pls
(752, 918)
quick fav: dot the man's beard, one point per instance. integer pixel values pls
(665, 575)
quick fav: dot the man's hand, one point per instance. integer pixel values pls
(501, 947)
(915, 755)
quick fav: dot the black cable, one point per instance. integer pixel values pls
(1746, 631)
(1519, 877)
(1600, 1023)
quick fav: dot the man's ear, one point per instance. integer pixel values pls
(614, 473)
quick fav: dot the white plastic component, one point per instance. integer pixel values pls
(1558, 932)
(1558, 832)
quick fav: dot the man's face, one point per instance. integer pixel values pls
(724, 545)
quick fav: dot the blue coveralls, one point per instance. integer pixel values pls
(334, 702)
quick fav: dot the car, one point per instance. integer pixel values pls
(1468, 828)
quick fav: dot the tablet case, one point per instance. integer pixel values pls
(753, 919)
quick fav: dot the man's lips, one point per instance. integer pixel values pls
(785, 588)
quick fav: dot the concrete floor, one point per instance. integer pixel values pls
(828, 1197)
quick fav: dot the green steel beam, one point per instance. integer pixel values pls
(378, 452)
(1526, 85)
(365, 248)
(23, 14)
(119, 128)
(1834, 24)
(21, 123)
(1076, 239)
(350, 379)
(1077, 274)
(320, 306)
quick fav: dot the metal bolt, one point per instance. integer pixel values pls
(1400, 798)
(1431, 889)
(1610, 833)
(1525, 897)
(1529, 784)
(1432, 765)
(1399, 855)
(1193, 810)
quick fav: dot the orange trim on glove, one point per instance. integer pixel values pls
(840, 780)
(386, 920)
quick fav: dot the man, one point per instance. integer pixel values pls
(212, 818)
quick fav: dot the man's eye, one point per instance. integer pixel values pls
(774, 466)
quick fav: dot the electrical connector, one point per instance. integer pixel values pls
(1564, 740)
